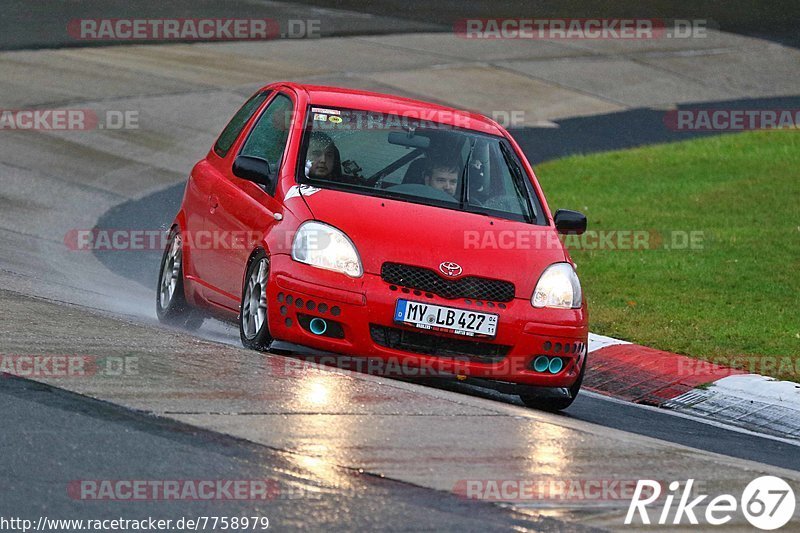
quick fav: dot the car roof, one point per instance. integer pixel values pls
(386, 103)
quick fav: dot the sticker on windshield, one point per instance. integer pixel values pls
(335, 119)
(326, 111)
(320, 117)
(300, 190)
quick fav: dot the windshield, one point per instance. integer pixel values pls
(415, 161)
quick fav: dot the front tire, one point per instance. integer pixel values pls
(171, 305)
(253, 315)
(531, 399)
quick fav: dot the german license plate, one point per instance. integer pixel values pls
(447, 319)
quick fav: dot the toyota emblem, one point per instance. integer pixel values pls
(450, 269)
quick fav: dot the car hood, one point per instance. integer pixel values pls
(385, 230)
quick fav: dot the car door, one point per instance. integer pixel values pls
(201, 197)
(245, 211)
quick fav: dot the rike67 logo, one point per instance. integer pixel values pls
(767, 503)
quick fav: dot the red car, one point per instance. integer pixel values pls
(376, 226)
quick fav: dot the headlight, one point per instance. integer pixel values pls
(324, 246)
(558, 287)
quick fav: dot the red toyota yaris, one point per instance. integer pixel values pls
(381, 227)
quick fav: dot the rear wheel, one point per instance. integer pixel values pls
(171, 305)
(253, 322)
(530, 397)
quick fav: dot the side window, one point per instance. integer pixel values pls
(237, 123)
(268, 137)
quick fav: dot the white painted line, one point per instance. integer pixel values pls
(601, 341)
(754, 386)
(757, 402)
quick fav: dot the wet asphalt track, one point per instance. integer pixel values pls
(60, 436)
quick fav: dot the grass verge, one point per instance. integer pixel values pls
(719, 275)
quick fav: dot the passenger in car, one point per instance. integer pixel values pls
(443, 175)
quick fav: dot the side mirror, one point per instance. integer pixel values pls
(252, 169)
(570, 222)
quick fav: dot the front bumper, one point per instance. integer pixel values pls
(362, 313)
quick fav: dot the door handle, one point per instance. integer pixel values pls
(213, 202)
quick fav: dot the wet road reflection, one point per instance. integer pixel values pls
(329, 423)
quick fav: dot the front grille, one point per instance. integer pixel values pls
(428, 344)
(427, 280)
